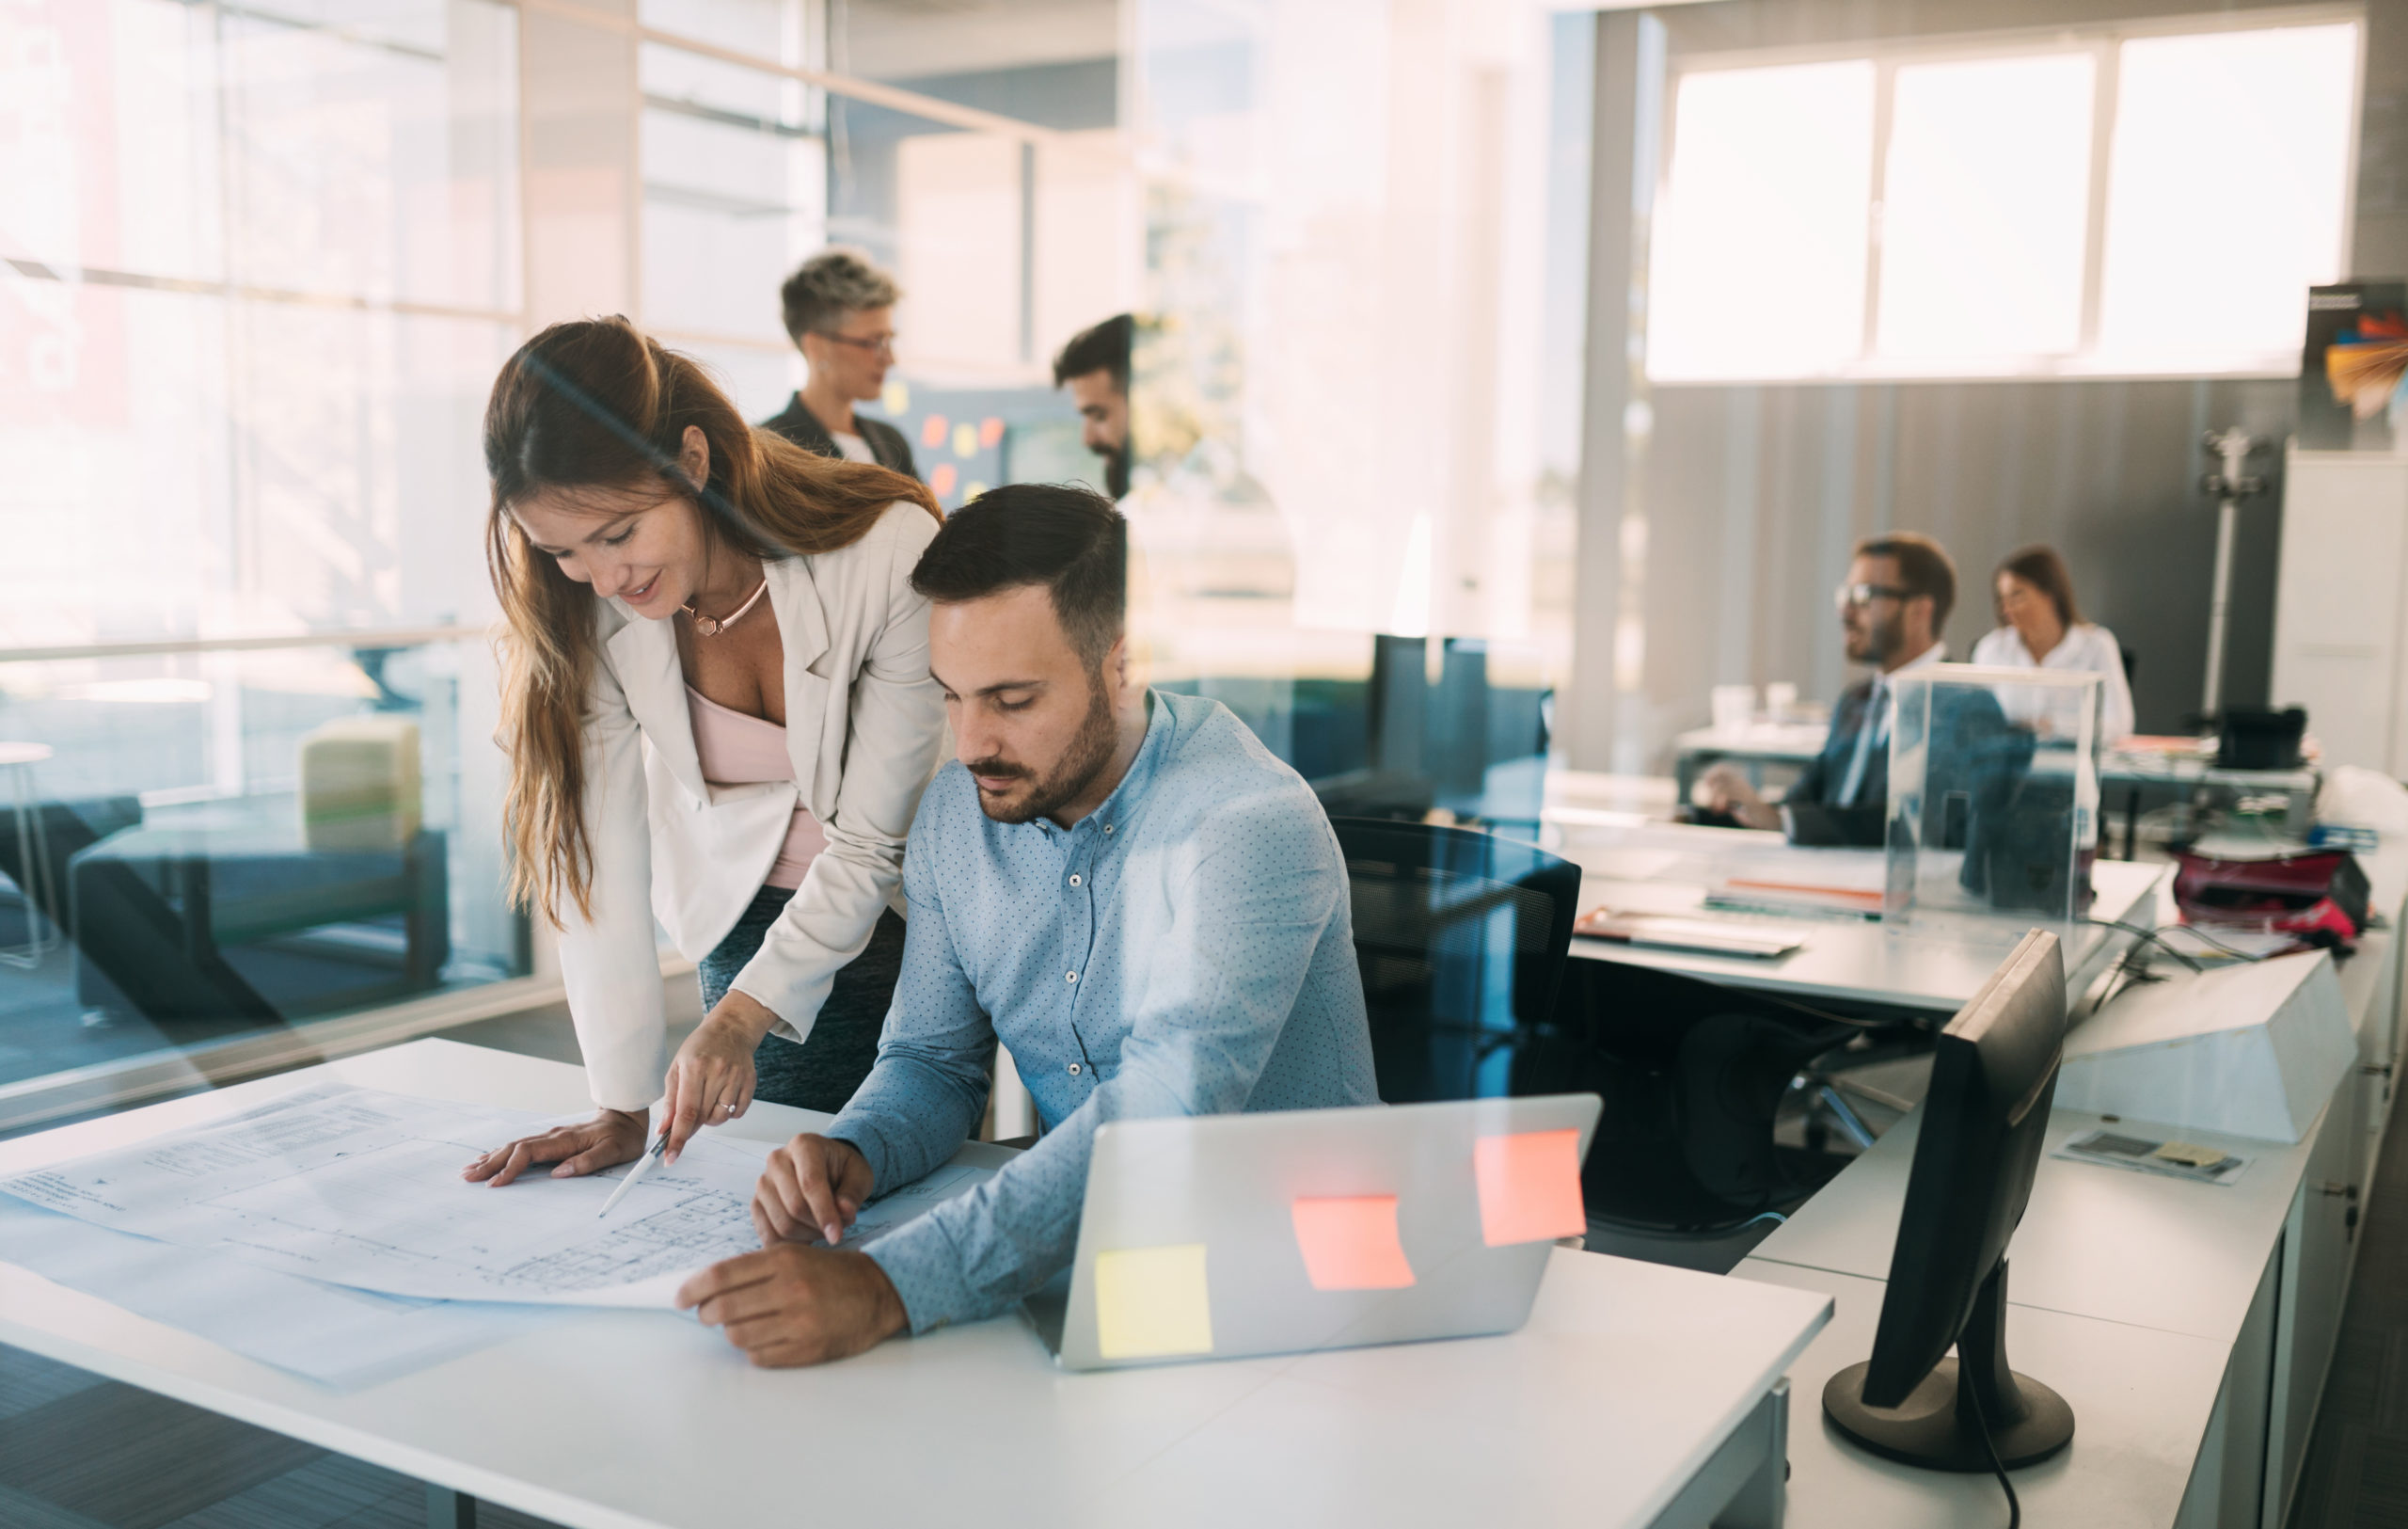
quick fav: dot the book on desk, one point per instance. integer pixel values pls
(1703, 934)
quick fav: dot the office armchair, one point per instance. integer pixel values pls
(1461, 937)
(1692, 1075)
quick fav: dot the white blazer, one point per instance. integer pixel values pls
(864, 727)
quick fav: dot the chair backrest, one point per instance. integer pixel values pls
(1461, 936)
(1692, 1075)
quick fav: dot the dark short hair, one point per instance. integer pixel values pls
(1924, 568)
(1104, 348)
(1072, 541)
(2039, 565)
(830, 284)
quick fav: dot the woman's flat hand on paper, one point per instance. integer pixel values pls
(610, 1139)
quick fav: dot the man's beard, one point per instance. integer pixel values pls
(1090, 750)
(1882, 641)
(1116, 472)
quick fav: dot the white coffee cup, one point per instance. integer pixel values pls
(1734, 707)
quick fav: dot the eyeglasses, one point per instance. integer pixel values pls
(880, 346)
(1857, 596)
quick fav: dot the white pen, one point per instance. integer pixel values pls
(651, 1155)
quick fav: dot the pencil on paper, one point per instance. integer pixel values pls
(651, 1155)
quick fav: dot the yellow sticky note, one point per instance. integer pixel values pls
(1152, 1302)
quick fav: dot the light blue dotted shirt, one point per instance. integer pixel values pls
(1185, 949)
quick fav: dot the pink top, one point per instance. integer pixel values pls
(738, 750)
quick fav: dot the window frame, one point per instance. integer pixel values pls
(2102, 43)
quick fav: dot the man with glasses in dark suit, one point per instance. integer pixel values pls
(1892, 609)
(840, 312)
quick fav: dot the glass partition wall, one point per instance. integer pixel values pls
(260, 263)
(1354, 535)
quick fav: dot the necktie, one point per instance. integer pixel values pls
(1868, 723)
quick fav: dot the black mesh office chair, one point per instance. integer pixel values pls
(1461, 936)
(1692, 1075)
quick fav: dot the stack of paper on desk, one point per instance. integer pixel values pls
(1803, 880)
(363, 1189)
(329, 1334)
(355, 1187)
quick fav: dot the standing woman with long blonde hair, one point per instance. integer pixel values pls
(717, 706)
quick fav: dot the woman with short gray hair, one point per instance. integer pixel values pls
(840, 312)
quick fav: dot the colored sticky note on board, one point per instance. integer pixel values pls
(1152, 1302)
(1350, 1242)
(1529, 1187)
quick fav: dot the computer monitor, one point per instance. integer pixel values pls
(1993, 1075)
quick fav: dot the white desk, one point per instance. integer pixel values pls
(2141, 1399)
(1633, 1390)
(2189, 1326)
(2095, 1241)
(1667, 868)
(1797, 743)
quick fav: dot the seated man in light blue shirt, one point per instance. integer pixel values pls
(1122, 885)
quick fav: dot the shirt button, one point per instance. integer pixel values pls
(1074, 1069)
(1074, 880)
(1107, 828)
(1069, 977)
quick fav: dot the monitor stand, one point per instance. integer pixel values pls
(1936, 1425)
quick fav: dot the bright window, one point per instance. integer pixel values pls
(1986, 196)
(1967, 210)
(2231, 175)
(1760, 249)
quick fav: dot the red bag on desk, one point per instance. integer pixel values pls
(2318, 895)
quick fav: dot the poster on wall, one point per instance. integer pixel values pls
(2352, 389)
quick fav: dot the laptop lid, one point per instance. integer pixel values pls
(1193, 1243)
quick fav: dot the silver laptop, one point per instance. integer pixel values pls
(1195, 1229)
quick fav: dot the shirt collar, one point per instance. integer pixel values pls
(1124, 796)
(1936, 653)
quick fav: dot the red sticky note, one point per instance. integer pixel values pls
(1350, 1243)
(933, 430)
(1529, 1187)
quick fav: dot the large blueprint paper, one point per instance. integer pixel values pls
(363, 1189)
(331, 1333)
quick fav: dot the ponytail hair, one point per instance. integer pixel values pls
(596, 406)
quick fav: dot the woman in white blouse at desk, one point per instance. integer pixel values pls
(2041, 628)
(717, 710)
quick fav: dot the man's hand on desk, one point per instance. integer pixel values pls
(794, 1305)
(1726, 788)
(813, 1187)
